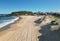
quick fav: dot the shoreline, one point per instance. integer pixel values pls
(10, 23)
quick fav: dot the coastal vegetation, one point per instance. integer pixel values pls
(57, 15)
(18, 13)
(22, 13)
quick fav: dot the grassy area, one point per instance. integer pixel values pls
(58, 17)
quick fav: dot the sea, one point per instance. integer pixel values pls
(6, 20)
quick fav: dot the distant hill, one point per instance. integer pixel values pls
(22, 13)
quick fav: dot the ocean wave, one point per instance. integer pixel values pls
(8, 22)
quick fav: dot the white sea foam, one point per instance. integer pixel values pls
(9, 22)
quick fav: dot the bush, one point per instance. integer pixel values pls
(22, 13)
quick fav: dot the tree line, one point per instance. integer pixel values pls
(22, 13)
(17, 13)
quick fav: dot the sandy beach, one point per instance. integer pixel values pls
(29, 28)
(19, 30)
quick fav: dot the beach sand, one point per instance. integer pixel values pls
(22, 30)
(29, 28)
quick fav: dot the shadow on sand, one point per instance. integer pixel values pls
(47, 34)
(38, 21)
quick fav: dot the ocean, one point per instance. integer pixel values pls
(5, 20)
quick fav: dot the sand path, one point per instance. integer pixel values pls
(23, 30)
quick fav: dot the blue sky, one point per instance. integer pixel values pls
(8, 6)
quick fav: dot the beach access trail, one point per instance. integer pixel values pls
(25, 29)
(22, 30)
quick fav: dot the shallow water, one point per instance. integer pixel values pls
(7, 20)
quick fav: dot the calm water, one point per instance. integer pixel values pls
(7, 20)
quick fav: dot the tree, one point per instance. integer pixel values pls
(22, 13)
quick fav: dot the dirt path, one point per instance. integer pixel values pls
(23, 30)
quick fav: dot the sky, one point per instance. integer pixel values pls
(8, 6)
